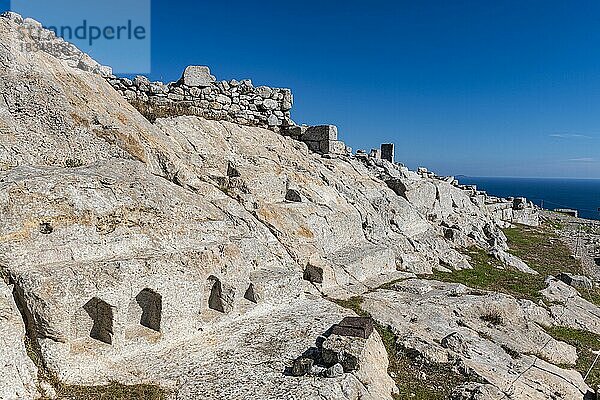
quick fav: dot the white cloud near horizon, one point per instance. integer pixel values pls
(582, 160)
(570, 136)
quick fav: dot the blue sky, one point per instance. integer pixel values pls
(481, 88)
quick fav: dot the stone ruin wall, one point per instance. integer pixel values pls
(199, 93)
(240, 102)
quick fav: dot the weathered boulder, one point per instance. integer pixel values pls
(568, 308)
(576, 281)
(512, 261)
(197, 76)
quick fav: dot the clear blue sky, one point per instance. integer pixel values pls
(488, 88)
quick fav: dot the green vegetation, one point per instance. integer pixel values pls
(492, 317)
(415, 378)
(539, 247)
(353, 303)
(487, 275)
(585, 342)
(114, 391)
(542, 249)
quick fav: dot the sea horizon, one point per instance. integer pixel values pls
(525, 177)
(581, 194)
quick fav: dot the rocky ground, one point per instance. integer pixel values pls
(583, 238)
(186, 258)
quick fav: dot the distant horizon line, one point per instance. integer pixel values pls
(525, 177)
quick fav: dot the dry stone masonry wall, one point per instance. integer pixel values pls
(199, 93)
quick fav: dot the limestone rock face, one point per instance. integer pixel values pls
(569, 309)
(51, 114)
(350, 225)
(19, 375)
(486, 334)
(134, 265)
(196, 254)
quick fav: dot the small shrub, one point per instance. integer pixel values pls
(493, 317)
(512, 353)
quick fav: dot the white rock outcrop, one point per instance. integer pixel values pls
(485, 334)
(19, 375)
(196, 254)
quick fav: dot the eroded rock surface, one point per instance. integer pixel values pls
(196, 254)
(483, 334)
(18, 380)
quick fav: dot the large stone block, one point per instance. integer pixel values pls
(320, 133)
(387, 152)
(361, 327)
(332, 147)
(197, 76)
(295, 131)
(313, 146)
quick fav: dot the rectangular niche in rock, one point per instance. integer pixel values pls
(101, 314)
(221, 296)
(151, 304)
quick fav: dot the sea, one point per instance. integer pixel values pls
(551, 193)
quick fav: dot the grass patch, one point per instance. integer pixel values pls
(415, 378)
(114, 391)
(539, 247)
(492, 317)
(585, 342)
(542, 249)
(487, 275)
(353, 303)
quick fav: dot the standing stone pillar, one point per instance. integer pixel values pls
(387, 152)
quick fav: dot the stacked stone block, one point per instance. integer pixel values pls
(322, 139)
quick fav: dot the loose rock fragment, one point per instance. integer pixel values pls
(361, 327)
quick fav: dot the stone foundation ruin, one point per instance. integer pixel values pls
(198, 93)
